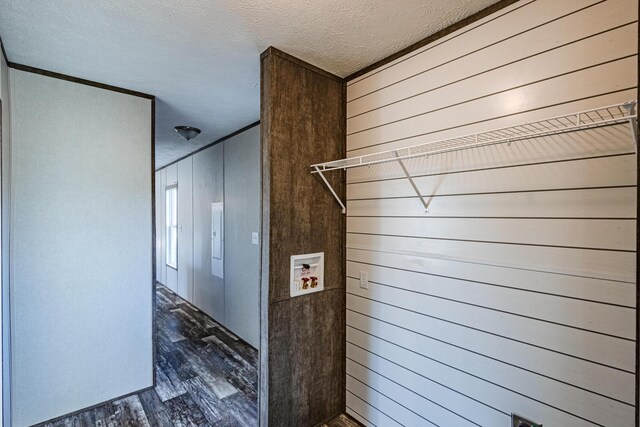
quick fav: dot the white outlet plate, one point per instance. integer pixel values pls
(255, 238)
(364, 280)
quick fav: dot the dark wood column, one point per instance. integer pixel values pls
(302, 338)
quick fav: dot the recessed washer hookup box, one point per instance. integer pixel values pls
(307, 274)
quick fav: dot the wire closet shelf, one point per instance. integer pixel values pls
(617, 114)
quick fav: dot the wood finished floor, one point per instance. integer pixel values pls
(342, 421)
(205, 376)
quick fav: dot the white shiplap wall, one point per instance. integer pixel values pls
(516, 291)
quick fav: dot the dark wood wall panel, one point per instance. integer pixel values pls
(303, 117)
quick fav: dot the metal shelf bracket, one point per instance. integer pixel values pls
(319, 172)
(633, 122)
(413, 184)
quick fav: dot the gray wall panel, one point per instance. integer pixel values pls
(242, 217)
(185, 229)
(6, 151)
(208, 179)
(161, 268)
(81, 267)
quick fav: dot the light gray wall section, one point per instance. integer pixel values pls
(81, 273)
(185, 229)
(4, 250)
(242, 217)
(208, 187)
(171, 174)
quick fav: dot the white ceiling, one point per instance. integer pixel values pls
(201, 57)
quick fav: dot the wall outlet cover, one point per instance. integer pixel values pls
(255, 238)
(364, 280)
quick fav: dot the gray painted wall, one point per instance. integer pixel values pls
(81, 273)
(185, 229)
(161, 268)
(242, 217)
(5, 404)
(208, 187)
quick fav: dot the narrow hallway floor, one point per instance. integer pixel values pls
(205, 376)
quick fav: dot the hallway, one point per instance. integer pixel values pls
(205, 376)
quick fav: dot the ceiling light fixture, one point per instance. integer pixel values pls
(187, 132)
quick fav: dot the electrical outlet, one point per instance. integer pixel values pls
(364, 280)
(255, 238)
(518, 421)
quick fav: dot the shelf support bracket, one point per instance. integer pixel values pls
(413, 184)
(633, 122)
(344, 209)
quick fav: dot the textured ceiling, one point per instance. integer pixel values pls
(201, 57)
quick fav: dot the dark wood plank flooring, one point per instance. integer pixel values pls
(342, 421)
(205, 376)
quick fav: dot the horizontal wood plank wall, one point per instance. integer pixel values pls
(516, 291)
